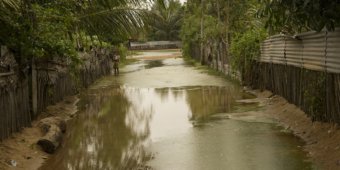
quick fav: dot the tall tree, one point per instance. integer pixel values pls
(43, 28)
(165, 20)
(300, 15)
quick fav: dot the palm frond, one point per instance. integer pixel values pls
(112, 17)
(9, 4)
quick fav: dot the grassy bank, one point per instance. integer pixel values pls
(208, 70)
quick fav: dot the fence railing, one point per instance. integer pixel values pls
(154, 45)
(319, 51)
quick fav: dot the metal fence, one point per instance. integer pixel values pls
(154, 45)
(319, 51)
(304, 69)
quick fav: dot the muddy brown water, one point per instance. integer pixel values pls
(167, 115)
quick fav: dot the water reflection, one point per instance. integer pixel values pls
(121, 127)
(209, 100)
(154, 63)
(103, 136)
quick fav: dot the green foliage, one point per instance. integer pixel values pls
(314, 93)
(165, 20)
(212, 28)
(38, 30)
(222, 21)
(86, 42)
(123, 52)
(300, 15)
(51, 33)
(59, 28)
(245, 48)
(190, 33)
(239, 24)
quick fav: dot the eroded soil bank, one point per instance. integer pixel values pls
(322, 139)
(21, 150)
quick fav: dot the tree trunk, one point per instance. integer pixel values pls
(53, 128)
(50, 142)
(201, 43)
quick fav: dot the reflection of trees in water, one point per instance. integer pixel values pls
(113, 125)
(106, 134)
(154, 63)
(139, 113)
(208, 100)
(138, 119)
(178, 93)
(164, 93)
(203, 100)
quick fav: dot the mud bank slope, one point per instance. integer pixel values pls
(322, 139)
(21, 150)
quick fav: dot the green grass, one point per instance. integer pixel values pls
(210, 71)
(127, 62)
(191, 61)
(130, 53)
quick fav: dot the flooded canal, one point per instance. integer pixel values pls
(164, 114)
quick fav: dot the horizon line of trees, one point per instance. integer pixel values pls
(40, 28)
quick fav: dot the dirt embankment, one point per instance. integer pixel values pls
(21, 150)
(322, 139)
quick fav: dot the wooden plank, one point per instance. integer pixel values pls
(6, 74)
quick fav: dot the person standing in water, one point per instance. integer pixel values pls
(116, 63)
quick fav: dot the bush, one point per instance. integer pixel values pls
(123, 52)
(245, 48)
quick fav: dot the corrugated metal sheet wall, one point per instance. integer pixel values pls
(305, 70)
(318, 51)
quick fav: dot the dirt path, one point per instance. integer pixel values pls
(21, 151)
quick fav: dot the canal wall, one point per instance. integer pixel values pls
(304, 69)
(27, 89)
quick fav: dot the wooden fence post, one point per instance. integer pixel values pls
(34, 89)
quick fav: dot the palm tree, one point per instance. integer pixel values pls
(8, 3)
(26, 20)
(110, 17)
(166, 20)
